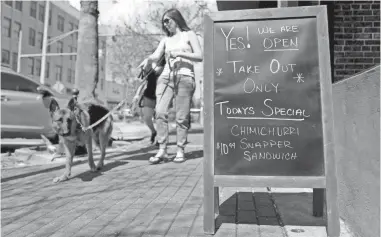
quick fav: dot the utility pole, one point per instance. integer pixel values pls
(44, 43)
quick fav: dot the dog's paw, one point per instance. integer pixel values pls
(99, 166)
(60, 179)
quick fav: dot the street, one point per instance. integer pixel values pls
(130, 197)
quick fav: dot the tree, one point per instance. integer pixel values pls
(139, 35)
(86, 73)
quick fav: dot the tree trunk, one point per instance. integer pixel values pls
(86, 73)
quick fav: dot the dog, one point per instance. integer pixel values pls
(70, 123)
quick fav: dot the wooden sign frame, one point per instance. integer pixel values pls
(328, 182)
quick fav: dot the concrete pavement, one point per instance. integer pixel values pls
(132, 198)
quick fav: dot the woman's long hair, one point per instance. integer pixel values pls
(176, 16)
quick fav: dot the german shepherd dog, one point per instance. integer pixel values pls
(69, 122)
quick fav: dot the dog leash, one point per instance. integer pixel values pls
(118, 105)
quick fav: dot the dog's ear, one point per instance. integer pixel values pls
(52, 104)
(72, 104)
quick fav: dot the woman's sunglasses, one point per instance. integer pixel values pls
(166, 21)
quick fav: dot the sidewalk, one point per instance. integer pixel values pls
(132, 198)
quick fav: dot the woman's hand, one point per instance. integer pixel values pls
(145, 65)
(136, 98)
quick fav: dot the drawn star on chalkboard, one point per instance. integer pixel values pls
(219, 71)
(299, 77)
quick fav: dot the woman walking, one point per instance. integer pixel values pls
(181, 49)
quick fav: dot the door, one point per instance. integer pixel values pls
(22, 112)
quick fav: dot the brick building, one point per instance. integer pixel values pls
(356, 36)
(28, 17)
(354, 28)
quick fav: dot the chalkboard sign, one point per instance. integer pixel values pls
(267, 104)
(268, 119)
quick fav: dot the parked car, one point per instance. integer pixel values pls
(23, 114)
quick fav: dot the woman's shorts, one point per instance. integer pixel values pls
(147, 102)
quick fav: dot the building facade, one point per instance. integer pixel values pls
(28, 17)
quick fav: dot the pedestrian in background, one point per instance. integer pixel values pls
(145, 96)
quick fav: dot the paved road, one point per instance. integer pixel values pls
(132, 198)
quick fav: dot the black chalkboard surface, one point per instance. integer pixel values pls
(267, 109)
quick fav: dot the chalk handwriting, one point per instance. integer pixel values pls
(226, 37)
(289, 29)
(244, 144)
(250, 86)
(299, 77)
(277, 44)
(249, 156)
(247, 36)
(235, 111)
(248, 69)
(265, 30)
(224, 148)
(233, 43)
(219, 71)
(241, 130)
(276, 111)
(276, 67)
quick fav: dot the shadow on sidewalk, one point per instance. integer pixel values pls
(89, 176)
(293, 209)
(145, 156)
(24, 175)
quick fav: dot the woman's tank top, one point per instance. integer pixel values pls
(179, 66)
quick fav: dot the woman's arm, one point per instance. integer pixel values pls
(158, 52)
(153, 57)
(159, 70)
(195, 44)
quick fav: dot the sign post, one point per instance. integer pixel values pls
(268, 105)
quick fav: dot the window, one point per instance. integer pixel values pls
(9, 3)
(48, 48)
(50, 17)
(16, 29)
(72, 50)
(41, 13)
(31, 66)
(5, 56)
(58, 73)
(59, 47)
(6, 27)
(73, 76)
(19, 5)
(101, 80)
(60, 23)
(33, 9)
(39, 39)
(47, 70)
(17, 83)
(32, 37)
(74, 56)
(69, 74)
(71, 28)
(14, 61)
(38, 67)
(76, 33)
